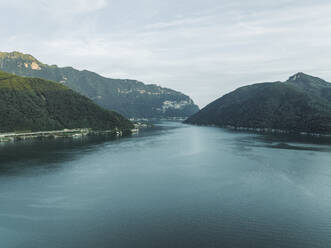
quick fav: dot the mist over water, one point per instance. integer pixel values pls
(173, 186)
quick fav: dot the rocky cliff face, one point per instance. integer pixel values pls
(128, 97)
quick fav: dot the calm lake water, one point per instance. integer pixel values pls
(173, 186)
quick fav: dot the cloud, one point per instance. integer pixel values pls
(56, 7)
(204, 49)
(65, 7)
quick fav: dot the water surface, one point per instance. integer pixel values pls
(173, 186)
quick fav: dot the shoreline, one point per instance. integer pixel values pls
(71, 133)
(265, 130)
(65, 133)
(277, 131)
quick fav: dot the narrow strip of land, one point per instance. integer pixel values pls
(65, 133)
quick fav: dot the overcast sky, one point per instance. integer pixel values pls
(204, 48)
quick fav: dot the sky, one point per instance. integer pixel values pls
(203, 48)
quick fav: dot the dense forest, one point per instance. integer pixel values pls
(33, 104)
(301, 104)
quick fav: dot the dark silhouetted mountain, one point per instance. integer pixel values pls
(128, 97)
(301, 104)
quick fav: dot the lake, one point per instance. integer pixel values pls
(171, 186)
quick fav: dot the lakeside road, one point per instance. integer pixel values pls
(13, 134)
(5, 137)
(65, 133)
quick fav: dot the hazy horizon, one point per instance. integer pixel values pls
(203, 48)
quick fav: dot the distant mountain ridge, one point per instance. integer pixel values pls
(34, 104)
(128, 97)
(300, 104)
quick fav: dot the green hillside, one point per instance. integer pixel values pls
(127, 97)
(301, 104)
(33, 104)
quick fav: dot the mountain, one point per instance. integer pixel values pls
(33, 104)
(128, 97)
(301, 104)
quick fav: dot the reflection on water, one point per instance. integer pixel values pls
(172, 186)
(45, 154)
